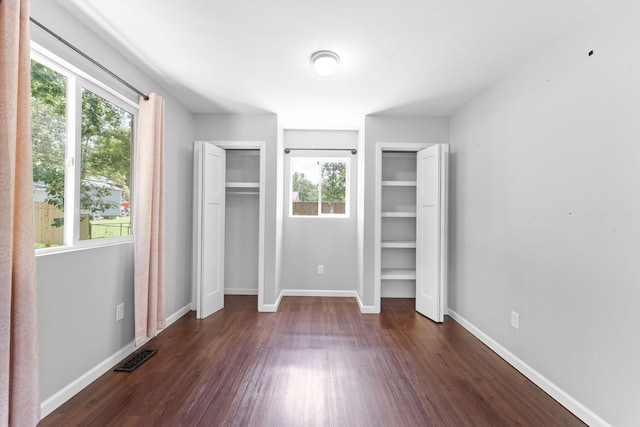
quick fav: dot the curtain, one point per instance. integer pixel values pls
(19, 386)
(148, 221)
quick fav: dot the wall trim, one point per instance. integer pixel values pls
(178, 314)
(367, 309)
(317, 293)
(562, 397)
(238, 291)
(270, 308)
(73, 388)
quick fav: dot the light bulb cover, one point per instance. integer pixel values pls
(325, 62)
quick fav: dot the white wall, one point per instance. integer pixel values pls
(544, 219)
(78, 291)
(431, 130)
(331, 242)
(252, 127)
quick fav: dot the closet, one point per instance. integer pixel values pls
(241, 222)
(228, 222)
(411, 224)
(398, 224)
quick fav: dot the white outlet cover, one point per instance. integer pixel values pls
(119, 312)
(515, 320)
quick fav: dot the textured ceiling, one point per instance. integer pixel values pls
(410, 57)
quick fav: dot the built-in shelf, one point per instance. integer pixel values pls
(398, 244)
(397, 274)
(398, 214)
(243, 188)
(243, 185)
(399, 183)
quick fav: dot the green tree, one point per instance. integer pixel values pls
(334, 182)
(106, 151)
(307, 190)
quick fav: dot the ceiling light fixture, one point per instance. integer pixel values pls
(325, 62)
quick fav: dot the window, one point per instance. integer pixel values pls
(319, 187)
(83, 137)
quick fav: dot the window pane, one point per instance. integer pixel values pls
(319, 187)
(48, 121)
(105, 168)
(304, 186)
(334, 187)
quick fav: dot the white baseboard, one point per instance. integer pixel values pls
(178, 314)
(235, 291)
(66, 393)
(55, 401)
(317, 293)
(270, 308)
(367, 309)
(566, 400)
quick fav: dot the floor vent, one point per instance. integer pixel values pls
(136, 360)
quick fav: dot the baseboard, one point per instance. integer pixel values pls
(55, 401)
(566, 400)
(235, 291)
(66, 393)
(317, 293)
(178, 314)
(367, 309)
(270, 308)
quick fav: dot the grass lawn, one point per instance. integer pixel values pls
(112, 227)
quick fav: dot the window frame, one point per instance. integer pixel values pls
(76, 81)
(347, 196)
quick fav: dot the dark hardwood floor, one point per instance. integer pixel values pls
(316, 362)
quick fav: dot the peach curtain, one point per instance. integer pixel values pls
(19, 386)
(148, 221)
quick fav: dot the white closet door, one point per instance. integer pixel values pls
(211, 254)
(431, 231)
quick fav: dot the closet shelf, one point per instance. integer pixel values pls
(243, 185)
(397, 274)
(398, 214)
(398, 244)
(399, 183)
(244, 193)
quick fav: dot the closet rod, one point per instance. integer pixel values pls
(352, 150)
(93, 61)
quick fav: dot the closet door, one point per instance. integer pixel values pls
(431, 231)
(210, 247)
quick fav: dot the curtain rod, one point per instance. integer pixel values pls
(93, 61)
(352, 150)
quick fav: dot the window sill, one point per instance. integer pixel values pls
(81, 246)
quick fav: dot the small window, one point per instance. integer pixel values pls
(319, 187)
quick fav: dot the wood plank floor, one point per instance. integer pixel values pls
(316, 362)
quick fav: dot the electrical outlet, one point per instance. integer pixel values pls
(119, 312)
(515, 320)
(320, 269)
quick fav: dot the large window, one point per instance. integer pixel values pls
(319, 187)
(83, 137)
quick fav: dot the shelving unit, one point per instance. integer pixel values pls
(398, 224)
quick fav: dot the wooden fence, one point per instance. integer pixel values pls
(47, 234)
(311, 208)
